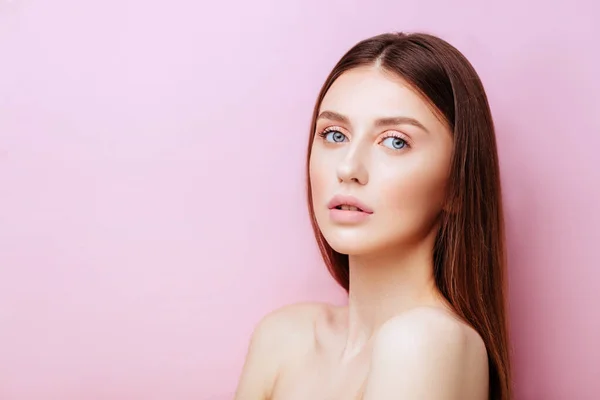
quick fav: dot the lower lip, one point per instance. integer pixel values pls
(347, 216)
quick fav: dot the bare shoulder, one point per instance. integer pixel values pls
(429, 326)
(277, 337)
(291, 324)
(426, 345)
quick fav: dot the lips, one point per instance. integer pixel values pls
(348, 208)
(348, 203)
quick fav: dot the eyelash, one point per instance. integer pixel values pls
(396, 135)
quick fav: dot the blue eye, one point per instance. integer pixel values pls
(394, 143)
(334, 136)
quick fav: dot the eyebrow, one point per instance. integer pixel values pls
(381, 122)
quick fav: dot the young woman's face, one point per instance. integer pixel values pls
(380, 147)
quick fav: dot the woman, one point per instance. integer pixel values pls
(404, 195)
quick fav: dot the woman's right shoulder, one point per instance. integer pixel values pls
(280, 336)
(293, 322)
(288, 332)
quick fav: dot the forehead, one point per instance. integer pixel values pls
(368, 93)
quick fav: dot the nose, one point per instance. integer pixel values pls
(352, 169)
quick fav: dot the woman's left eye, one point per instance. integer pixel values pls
(394, 143)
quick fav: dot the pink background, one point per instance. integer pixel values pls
(151, 183)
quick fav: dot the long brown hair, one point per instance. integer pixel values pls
(469, 253)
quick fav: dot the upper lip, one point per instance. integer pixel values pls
(341, 200)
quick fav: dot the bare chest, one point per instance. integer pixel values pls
(320, 379)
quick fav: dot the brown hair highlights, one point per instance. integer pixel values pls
(469, 253)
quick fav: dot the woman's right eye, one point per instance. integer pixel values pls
(333, 136)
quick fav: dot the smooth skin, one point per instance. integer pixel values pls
(380, 141)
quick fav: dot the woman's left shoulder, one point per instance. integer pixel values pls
(426, 345)
(432, 327)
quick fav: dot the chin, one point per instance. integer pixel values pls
(350, 240)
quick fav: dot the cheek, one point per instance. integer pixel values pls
(415, 193)
(319, 176)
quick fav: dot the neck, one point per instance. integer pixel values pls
(384, 285)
